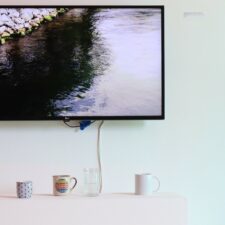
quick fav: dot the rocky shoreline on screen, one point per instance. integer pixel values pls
(17, 22)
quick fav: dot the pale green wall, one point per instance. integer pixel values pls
(186, 151)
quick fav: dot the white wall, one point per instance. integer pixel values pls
(187, 150)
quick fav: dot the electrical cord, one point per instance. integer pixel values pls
(71, 126)
(98, 146)
(99, 155)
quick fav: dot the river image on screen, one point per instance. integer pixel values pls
(80, 62)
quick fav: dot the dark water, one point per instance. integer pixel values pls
(106, 62)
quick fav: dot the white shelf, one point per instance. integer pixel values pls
(106, 209)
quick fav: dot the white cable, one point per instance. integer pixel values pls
(99, 155)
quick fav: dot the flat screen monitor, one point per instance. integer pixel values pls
(81, 62)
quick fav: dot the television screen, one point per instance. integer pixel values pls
(76, 62)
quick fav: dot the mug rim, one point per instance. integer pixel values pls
(61, 176)
(24, 182)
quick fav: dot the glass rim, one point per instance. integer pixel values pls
(91, 169)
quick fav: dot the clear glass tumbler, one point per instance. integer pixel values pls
(91, 182)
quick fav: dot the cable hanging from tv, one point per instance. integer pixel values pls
(82, 126)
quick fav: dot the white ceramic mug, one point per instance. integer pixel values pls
(144, 184)
(62, 184)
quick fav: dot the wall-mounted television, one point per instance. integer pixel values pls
(81, 62)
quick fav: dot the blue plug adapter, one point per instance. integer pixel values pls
(84, 124)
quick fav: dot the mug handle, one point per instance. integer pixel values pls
(75, 183)
(158, 181)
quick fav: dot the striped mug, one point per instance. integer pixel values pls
(62, 184)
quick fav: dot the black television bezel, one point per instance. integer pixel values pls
(160, 117)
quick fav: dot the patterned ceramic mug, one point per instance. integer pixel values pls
(24, 189)
(62, 184)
